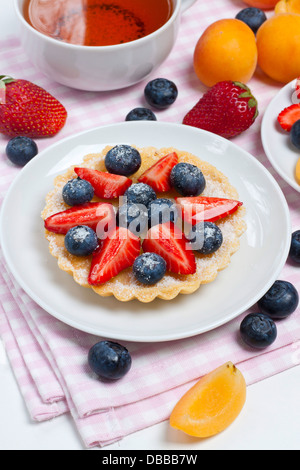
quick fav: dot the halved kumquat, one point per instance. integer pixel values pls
(211, 405)
(297, 172)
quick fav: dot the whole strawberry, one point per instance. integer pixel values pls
(227, 109)
(28, 110)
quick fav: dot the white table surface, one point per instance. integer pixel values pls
(270, 419)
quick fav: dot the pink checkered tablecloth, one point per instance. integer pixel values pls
(49, 358)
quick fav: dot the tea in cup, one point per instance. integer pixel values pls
(97, 22)
(99, 45)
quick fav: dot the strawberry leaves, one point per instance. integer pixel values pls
(4, 80)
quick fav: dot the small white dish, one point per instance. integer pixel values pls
(276, 142)
(253, 269)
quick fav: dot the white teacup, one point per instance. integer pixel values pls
(100, 68)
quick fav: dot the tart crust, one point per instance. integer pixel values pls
(125, 287)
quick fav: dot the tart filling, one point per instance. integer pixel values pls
(125, 286)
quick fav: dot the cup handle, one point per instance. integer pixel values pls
(187, 4)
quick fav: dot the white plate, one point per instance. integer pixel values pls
(276, 142)
(254, 268)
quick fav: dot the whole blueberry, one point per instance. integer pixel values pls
(140, 193)
(109, 360)
(295, 247)
(77, 192)
(295, 134)
(20, 150)
(206, 238)
(280, 301)
(141, 114)
(258, 330)
(161, 93)
(123, 160)
(149, 268)
(81, 241)
(162, 211)
(253, 17)
(134, 217)
(188, 180)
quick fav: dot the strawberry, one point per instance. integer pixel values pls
(106, 185)
(289, 116)
(117, 252)
(158, 176)
(168, 241)
(206, 209)
(96, 215)
(28, 110)
(226, 109)
(298, 88)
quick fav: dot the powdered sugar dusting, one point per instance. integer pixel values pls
(80, 234)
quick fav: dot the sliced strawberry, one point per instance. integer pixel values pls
(97, 215)
(117, 252)
(168, 241)
(298, 87)
(158, 176)
(206, 209)
(289, 116)
(106, 185)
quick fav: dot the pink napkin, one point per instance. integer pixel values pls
(49, 358)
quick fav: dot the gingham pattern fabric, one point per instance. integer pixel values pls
(49, 358)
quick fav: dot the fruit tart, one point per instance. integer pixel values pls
(143, 223)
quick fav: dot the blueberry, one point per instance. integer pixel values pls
(295, 134)
(206, 238)
(295, 247)
(81, 241)
(141, 114)
(253, 17)
(162, 211)
(280, 301)
(188, 180)
(134, 217)
(140, 193)
(258, 330)
(77, 192)
(109, 360)
(149, 268)
(123, 160)
(20, 150)
(161, 93)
